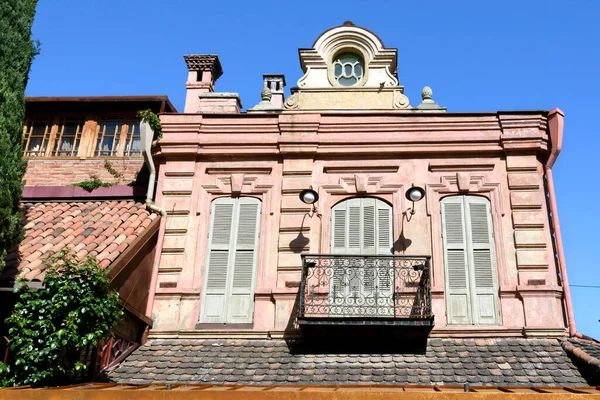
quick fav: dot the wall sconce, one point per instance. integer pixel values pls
(415, 193)
(310, 196)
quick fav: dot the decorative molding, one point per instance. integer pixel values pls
(541, 331)
(362, 184)
(471, 331)
(358, 169)
(239, 170)
(236, 185)
(179, 174)
(463, 180)
(400, 99)
(449, 185)
(457, 165)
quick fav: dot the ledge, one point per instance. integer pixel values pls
(75, 192)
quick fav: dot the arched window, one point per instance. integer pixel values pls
(232, 250)
(470, 265)
(361, 225)
(361, 286)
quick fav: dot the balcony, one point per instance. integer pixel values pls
(365, 293)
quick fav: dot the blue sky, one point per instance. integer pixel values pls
(476, 55)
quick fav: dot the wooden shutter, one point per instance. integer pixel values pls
(232, 260)
(458, 302)
(481, 253)
(385, 244)
(471, 280)
(361, 226)
(219, 254)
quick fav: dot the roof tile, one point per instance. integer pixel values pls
(88, 227)
(261, 361)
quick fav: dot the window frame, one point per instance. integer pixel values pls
(233, 248)
(469, 249)
(86, 137)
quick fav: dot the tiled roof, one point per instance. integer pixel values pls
(103, 229)
(486, 362)
(586, 354)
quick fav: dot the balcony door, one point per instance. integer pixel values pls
(361, 284)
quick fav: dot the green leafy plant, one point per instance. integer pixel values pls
(153, 120)
(93, 183)
(111, 170)
(49, 327)
(17, 50)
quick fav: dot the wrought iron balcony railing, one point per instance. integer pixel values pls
(359, 287)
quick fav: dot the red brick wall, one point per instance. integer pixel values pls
(65, 172)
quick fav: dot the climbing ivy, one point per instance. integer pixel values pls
(49, 327)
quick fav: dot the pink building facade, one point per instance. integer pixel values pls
(240, 255)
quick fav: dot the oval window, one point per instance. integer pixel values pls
(348, 69)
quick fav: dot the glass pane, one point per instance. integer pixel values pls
(348, 69)
(348, 81)
(337, 70)
(38, 129)
(35, 144)
(135, 145)
(70, 129)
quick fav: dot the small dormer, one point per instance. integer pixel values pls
(348, 68)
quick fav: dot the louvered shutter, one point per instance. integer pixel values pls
(232, 260)
(456, 266)
(385, 270)
(481, 253)
(339, 229)
(219, 254)
(361, 226)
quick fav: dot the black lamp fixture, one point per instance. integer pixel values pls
(415, 193)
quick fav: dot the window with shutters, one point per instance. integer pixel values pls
(362, 226)
(470, 272)
(230, 269)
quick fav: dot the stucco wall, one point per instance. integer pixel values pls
(275, 156)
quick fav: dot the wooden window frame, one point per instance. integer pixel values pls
(86, 138)
(46, 137)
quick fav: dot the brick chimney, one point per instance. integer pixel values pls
(275, 82)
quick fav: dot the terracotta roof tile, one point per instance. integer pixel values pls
(87, 227)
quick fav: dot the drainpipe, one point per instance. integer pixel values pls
(556, 127)
(146, 136)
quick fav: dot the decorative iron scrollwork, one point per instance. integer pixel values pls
(369, 287)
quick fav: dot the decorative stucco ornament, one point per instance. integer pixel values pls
(349, 68)
(427, 103)
(265, 103)
(291, 103)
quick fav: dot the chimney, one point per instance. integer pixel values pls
(275, 82)
(203, 72)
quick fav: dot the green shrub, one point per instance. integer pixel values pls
(49, 327)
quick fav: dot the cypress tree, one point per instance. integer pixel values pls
(16, 54)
